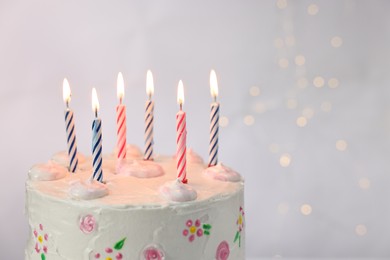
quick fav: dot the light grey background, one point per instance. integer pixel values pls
(279, 66)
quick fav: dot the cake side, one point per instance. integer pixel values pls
(134, 222)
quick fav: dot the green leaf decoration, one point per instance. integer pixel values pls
(236, 237)
(206, 232)
(206, 226)
(119, 244)
(43, 257)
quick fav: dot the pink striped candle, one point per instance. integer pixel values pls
(214, 121)
(181, 136)
(121, 119)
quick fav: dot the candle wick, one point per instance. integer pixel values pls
(96, 113)
(150, 97)
(181, 106)
(120, 101)
(67, 104)
(215, 98)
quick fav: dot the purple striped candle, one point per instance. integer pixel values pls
(214, 121)
(149, 118)
(70, 129)
(121, 119)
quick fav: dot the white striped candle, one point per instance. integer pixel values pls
(121, 119)
(96, 140)
(70, 129)
(214, 121)
(149, 118)
(181, 136)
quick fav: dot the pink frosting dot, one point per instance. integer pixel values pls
(185, 232)
(35, 233)
(153, 253)
(37, 247)
(119, 256)
(97, 255)
(46, 237)
(45, 249)
(199, 232)
(40, 226)
(223, 251)
(108, 250)
(189, 223)
(197, 223)
(191, 238)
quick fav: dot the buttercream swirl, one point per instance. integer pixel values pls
(177, 191)
(87, 190)
(139, 169)
(222, 173)
(47, 172)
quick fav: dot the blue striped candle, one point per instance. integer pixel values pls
(96, 140)
(149, 118)
(70, 129)
(214, 121)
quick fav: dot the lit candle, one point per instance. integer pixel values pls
(181, 136)
(214, 121)
(121, 119)
(149, 117)
(96, 140)
(70, 129)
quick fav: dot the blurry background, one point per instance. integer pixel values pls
(305, 105)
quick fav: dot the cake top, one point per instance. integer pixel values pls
(133, 182)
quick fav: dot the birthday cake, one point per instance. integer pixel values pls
(135, 213)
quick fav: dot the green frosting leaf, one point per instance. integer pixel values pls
(206, 226)
(119, 244)
(237, 235)
(43, 257)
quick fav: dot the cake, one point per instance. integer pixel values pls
(132, 216)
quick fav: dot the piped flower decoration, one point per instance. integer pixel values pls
(41, 239)
(111, 253)
(196, 229)
(87, 224)
(153, 252)
(240, 226)
(223, 251)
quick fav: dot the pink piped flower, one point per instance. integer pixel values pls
(87, 224)
(196, 229)
(41, 239)
(153, 253)
(223, 251)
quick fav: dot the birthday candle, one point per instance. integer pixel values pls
(214, 121)
(181, 136)
(149, 117)
(96, 140)
(121, 119)
(70, 129)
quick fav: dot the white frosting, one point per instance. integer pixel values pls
(62, 158)
(139, 168)
(222, 173)
(47, 172)
(133, 209)
(87, 190)
(193, 157)
(177, 191)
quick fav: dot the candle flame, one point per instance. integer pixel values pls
(120, 86)
(149, 83)
(66, 91)
(95, 101)
(213, 84)
(180, 93)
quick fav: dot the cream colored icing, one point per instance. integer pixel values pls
(133, 209)
(47, 172)
(193, 157)
(132, 151)
(222, 173)
(177, 191)
(139, 168)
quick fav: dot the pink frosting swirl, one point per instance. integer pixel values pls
(153, 253)
(87, 224)
(223, 251)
